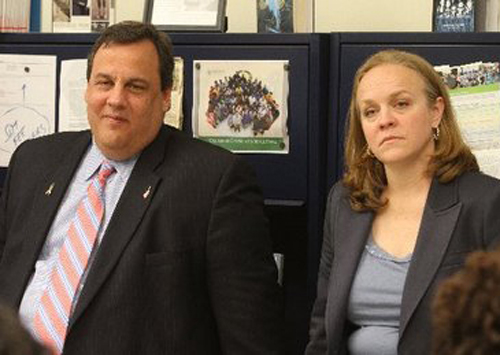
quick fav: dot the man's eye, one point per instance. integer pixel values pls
(103, 83)
(402, 104)
(136, 88)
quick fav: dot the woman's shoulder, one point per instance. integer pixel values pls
(478, 185)
(339, 198)
(477, 180)
(338, 191)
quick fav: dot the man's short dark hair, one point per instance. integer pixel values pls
(132, 32)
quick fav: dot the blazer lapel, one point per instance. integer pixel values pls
(46, 203)
(133, 203)
(350, 239)
(438, 222)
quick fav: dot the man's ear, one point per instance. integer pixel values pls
(167, 99)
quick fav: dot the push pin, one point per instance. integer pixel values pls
(146, 193)
(49, 190)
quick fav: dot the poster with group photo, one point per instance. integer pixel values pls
(242, 105)
(454, 15)
(475, 95)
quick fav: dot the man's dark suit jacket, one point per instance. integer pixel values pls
(459, 217)
(184, 269)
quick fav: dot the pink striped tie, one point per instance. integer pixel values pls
(51, 319)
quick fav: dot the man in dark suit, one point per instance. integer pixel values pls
(182, 262)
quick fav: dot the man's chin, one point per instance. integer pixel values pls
(115, 149)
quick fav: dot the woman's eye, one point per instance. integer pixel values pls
(368, 113)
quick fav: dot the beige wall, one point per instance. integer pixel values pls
(375, 15)
(331, 15)
(46, 17)
(129, 10)
(242, 15)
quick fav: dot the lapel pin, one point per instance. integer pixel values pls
(49, 190)
(146, 193)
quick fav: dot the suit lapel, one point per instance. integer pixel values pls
(438, 222)
(133, 203)
(46, 203)
(351, 235)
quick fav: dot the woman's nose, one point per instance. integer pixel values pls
(386, 118)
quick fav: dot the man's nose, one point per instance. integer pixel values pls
(116, 96)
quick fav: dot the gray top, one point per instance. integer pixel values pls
(375, 301)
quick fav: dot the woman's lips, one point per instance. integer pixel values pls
(390, 139)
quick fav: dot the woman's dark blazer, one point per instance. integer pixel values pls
(459, 217)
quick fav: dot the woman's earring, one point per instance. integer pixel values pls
(369, 152)
(435, 133)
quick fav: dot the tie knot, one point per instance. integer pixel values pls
(105, 171)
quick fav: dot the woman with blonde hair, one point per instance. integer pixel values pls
(410, 207)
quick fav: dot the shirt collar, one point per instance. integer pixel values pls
(95, 158)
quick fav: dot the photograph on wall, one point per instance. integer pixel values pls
(454, 16)
(15, 15)
(186, 15)
(474, 90)
(274, 16)
(61, 11)
(242, 105)
(102, 11)
(82, 15)
(80, 8)
(174, 116)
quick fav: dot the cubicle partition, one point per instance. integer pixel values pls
(293, 183)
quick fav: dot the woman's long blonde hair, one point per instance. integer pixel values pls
(364, 175)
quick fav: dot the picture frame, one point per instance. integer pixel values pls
(275, 16)
(454, 16)
(242, 105)
(186, 15)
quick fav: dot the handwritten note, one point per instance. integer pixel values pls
(72, 107)
(27, 100)
(174, 116)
